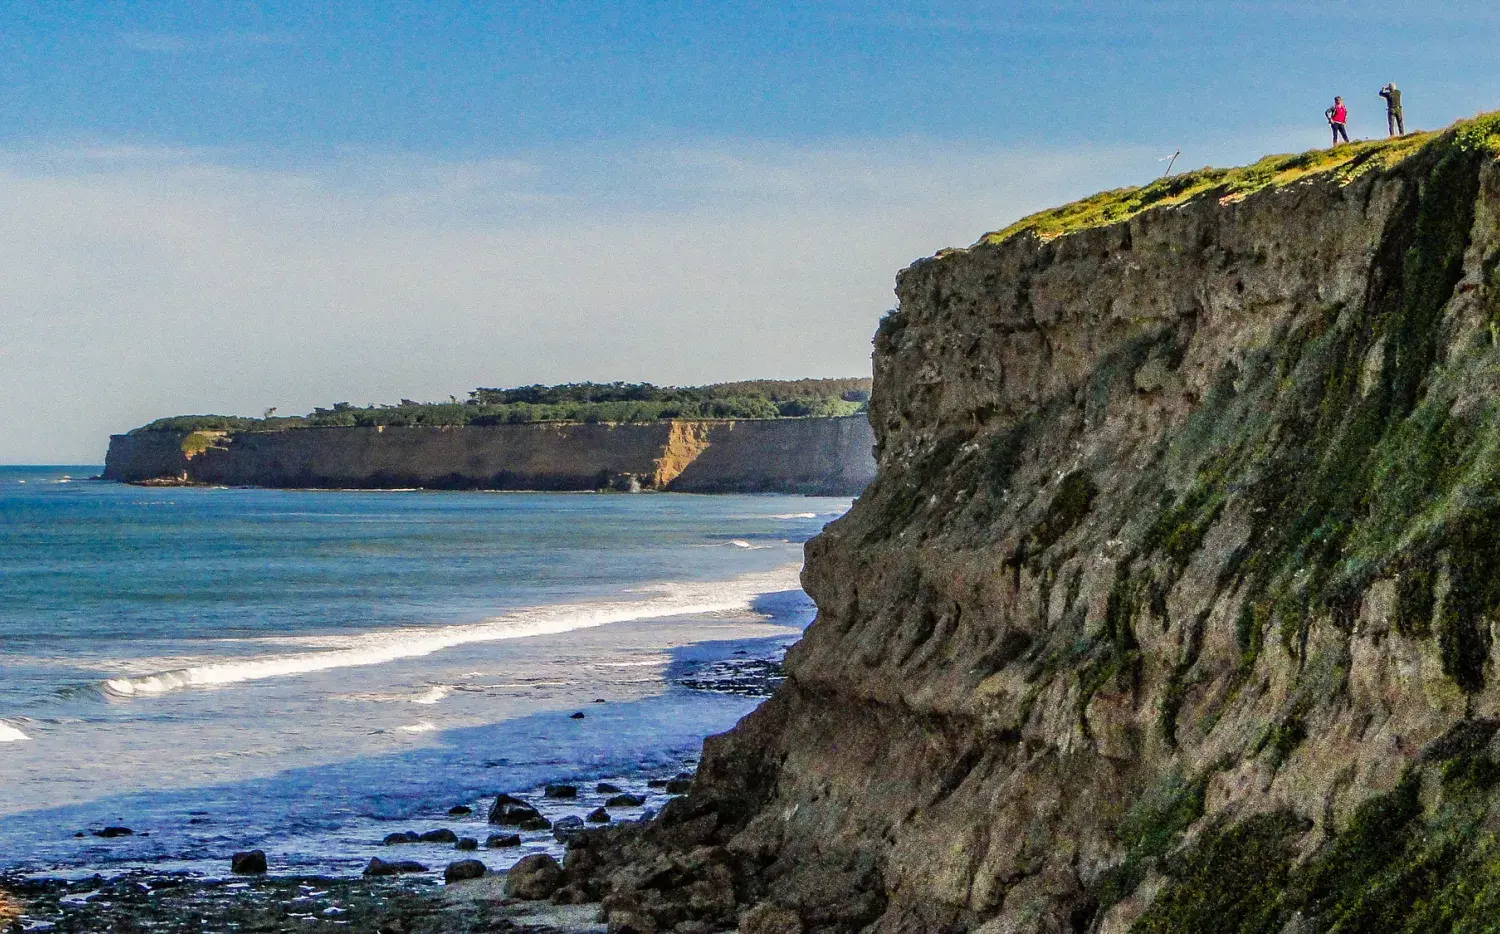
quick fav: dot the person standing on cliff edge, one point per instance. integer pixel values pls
(1393, 119)
(1338, 116)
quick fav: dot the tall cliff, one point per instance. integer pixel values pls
(1172, 605)
(830, 456)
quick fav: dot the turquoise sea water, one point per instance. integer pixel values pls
(304, 671)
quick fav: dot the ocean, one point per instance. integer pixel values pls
(305, 672)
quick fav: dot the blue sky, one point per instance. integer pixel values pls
(222, 207)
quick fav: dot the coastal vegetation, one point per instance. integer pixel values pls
(1342, 163)
(569, 402)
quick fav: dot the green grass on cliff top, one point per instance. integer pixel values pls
(1344, 163)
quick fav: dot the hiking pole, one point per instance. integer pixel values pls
(1170, 164)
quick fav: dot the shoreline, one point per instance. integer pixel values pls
(90, 900)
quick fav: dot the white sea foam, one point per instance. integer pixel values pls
(9, 734)
(796, 515)
(376, 648)
(432, 695)
(423, 727)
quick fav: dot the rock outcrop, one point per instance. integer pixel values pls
(824, 456)
(1172, 605)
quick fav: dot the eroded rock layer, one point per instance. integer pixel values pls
(1171, 607)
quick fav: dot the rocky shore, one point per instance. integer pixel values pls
(397, 894)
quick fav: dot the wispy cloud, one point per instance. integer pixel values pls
(163, 43)
(154, 283)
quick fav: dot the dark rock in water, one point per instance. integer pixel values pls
(79, 834)
(497, 841)
(109, 833)
(625, 801)
(536, 823)
(467, 843)
(401, 836)
(512, 811)
(248, 864)
(605, 788)
(598, 816)
(647, 816)
(600, 700)
(657, 783)
(577, 716)
(534, 877)
(460, 810)
(379, 867)
(680, 785)
(561, 791)
(463, 870)
(442, 835)
(564, 828)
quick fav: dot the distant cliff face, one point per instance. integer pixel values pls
(1173, 604)
(824, 456)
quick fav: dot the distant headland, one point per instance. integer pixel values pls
(791, 436)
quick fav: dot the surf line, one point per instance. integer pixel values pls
(672, 599)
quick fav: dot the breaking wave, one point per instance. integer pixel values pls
(376, 648)
(9, 734)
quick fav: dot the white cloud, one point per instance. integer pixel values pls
(152, 283)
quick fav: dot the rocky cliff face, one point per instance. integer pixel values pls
(828, 456)
(1172, 605)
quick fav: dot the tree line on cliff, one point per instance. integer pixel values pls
(570, 402)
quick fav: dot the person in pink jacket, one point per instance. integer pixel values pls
(1338, 116)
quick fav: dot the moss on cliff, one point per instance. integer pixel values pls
(1393, 868)
(1349, 457)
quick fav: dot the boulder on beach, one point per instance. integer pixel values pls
(767, 918)
(441, 835)
(496, 841)
(109, 833)
(605, 788)
(467, 843)
(248, 864)
(401, 836)
(379, 867)
(536, 823)
(464, 870)
(512, 811)
(560, 791)
(598, 816)
(534, 877)
(625, 801)
(626, 921)
(460, 810)
(565, 828)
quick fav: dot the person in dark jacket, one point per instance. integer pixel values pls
(1338, 116)
(1393, 119)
